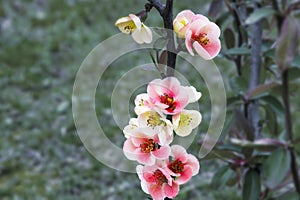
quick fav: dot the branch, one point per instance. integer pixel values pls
(166, 12)
(289, 129)
(253, 107)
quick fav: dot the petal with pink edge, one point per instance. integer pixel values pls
(129, 150)
(171, 191)
(146, 159)
(193, 163)
(185, 176)
(162, 153)
(179, 153)
(156, 192)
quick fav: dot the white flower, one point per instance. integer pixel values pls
(186, 121)
(132, 25)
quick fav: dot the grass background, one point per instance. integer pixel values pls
(42, 45)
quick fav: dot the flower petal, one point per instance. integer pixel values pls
(185, 176)
(201, 51)
(129, 150)
(156, 192)
(162, 153)
(193, 94)
(146, 159)
(136, 20)
(193, 163)
(179, 153)
(171, 191)
(186, 121)
(188, 42)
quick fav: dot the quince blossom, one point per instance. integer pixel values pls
(157, 181)
(184, 165)
(186, 121)
(203, 36)
(144, 146)
(132, 25)
(169, 96)
(183, 20)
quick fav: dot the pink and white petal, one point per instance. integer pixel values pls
(146, 34)
(193, 94)
(201, 51)
(166, 174)
(162, 153)
(172, 84)
(189, 42)
(200, 17)
(171, 191)
(212, 30)
(136, 20)
(193, 162)
(144, 187)
(139, 171)
(197, 26)
(188, 14)
(213, 48)
(179, 153)
(185, 176)
(148, 177)
(182, 98)
(146, 159)
(137, 36)
(129, 150)
(156, 192)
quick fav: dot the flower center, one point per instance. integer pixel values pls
(148, 146)
(185, 120)
(201, 38)
(159, 177)
(154, 120)
(176, 166)
(166, 99)
(130, 27)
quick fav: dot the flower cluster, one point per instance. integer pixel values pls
(200, 34)
(160, 112)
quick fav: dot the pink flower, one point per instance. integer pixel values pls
(203, 36)
(144, 146)
(183, 165)
(168, 95)
(157, 182)
(183, 20)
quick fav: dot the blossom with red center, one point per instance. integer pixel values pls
(169, 96)
(157, 181)
(183, 165)
(183, 20)
(203, 36)
(144, 146)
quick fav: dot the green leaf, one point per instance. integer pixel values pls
(238, 51)
(229, 38)
(287, 45)
(251, 186)
(244, 125)
(271, 120)
(276, 167)
(294, 73)
(260, 90)
(222, 177)
(274, 103)
(259, 14)
(238, 85)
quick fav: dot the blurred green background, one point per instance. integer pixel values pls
(42, 45)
